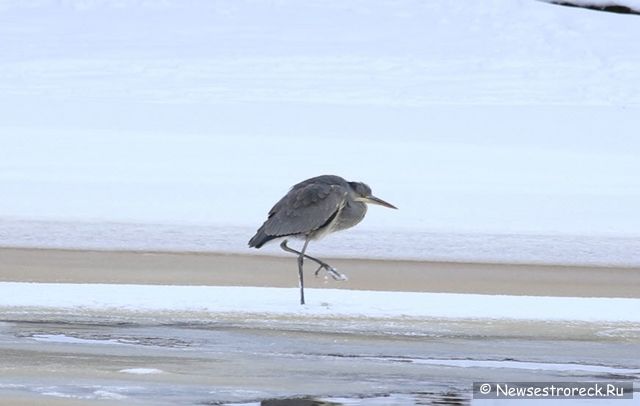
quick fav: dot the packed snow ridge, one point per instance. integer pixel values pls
(321, 302)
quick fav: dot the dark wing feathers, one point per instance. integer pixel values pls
(304, 209)
(308, 206)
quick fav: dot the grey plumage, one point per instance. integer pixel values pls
(307, 207)
(312, 209)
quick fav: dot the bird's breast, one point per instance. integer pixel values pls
(351, 214)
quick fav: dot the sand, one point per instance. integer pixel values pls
(20, 399)
(75, 266)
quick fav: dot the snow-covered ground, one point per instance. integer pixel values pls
(504, 116)
(446, 185)
(78, 298)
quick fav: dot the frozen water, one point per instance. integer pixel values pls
(564, 249)
(508, 116)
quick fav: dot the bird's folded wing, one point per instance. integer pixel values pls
(305, 209)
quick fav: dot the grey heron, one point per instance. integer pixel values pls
(312, 209)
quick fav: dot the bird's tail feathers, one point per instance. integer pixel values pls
(260, 238)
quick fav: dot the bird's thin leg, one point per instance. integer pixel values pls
(300, 273)
(285, 247)
(323, 265)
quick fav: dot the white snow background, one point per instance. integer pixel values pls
(479, 120)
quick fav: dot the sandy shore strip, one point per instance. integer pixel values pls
(166, 268)
(29, 399)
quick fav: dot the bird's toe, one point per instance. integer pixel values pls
(337, 275)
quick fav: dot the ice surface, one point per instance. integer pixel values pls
(224, 180)
(325, 302)
(64, 339)
(468, 363)
(99, 394)
(141, 371)
(604, 250)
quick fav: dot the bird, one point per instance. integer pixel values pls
(311, 210)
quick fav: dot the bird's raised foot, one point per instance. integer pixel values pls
(333, 272)
(337, 275)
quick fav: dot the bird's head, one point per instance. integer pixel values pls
(362, 193)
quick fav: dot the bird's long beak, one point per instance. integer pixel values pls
(378, 201)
